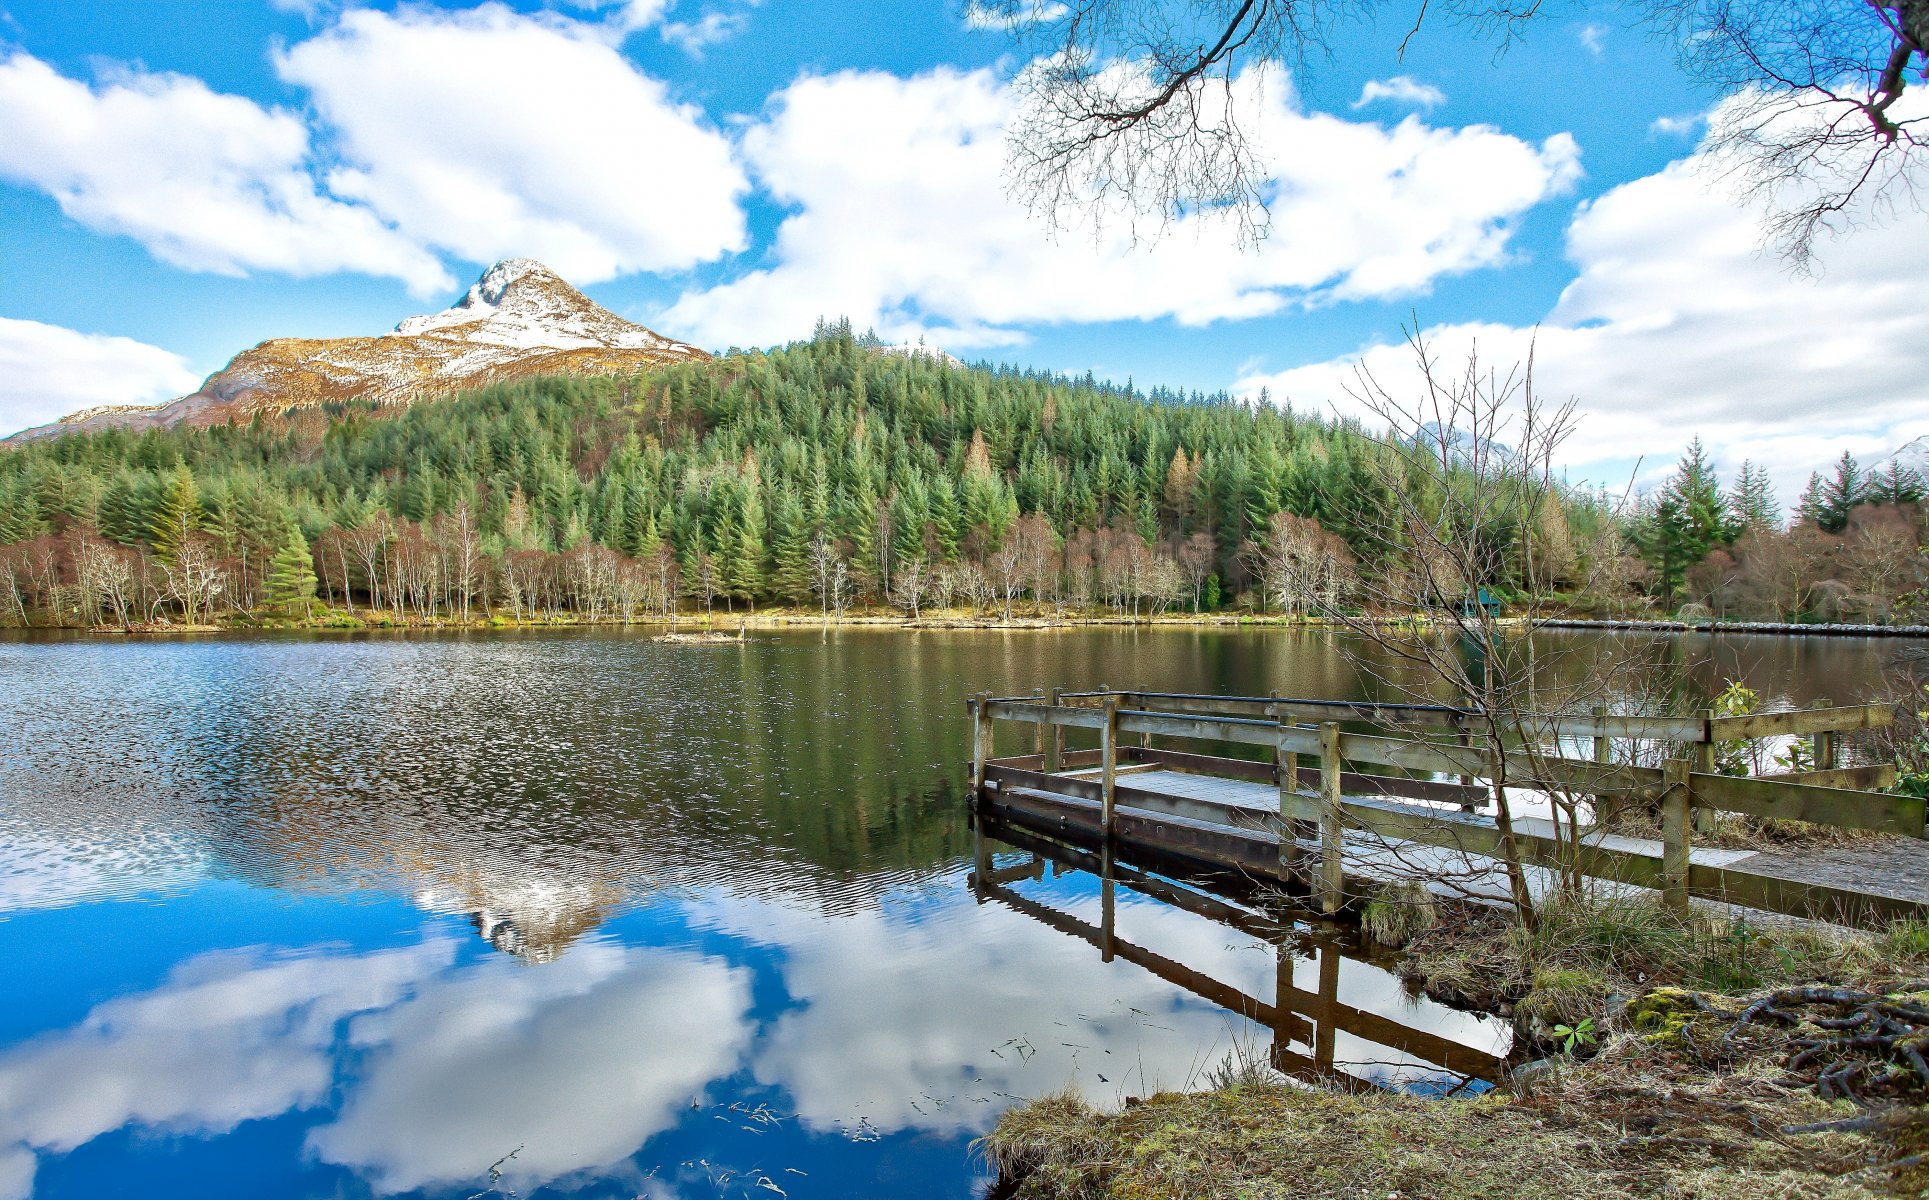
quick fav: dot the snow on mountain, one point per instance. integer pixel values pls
(519, 320)
(920, 350)
(1912, 457)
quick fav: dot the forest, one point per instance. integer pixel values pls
(825, 475)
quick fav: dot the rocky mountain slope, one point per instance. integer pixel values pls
(519, 320)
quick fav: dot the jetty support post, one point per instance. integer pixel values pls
(1109, 767)
(1331, 867)
(1677, 801)
(1038, 730)
(1055, 740)
(980, 743)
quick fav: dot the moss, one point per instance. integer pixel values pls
(1663, 1014)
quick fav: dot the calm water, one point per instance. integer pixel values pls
(353, 917)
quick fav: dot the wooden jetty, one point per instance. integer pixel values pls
(1304, 1015)
(1354, 795)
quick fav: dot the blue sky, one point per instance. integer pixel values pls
(174, 190)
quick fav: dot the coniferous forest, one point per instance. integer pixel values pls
(824, 475)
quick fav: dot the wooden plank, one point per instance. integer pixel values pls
(1856, 779)
(1457, 1057)
(1199, 984)
(1209, 729)
(1787, 801)
(1799, 898)
(1024, 710)
(1801, 722)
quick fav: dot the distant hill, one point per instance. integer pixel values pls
(519, 321)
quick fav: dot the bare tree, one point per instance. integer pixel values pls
(1468, 469)
(910, 583)
(1143, 108)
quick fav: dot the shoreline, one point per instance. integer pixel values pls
(342, 621)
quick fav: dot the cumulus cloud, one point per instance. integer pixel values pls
(1401, 89)
(615, 1041)
(486, 134)
(47, 371)
(1678, 324)
(230, 1037)
(204, 181)
(903, 222)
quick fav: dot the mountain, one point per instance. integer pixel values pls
(519, 320)
(1912, 457)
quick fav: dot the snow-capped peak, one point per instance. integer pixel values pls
(521, 304)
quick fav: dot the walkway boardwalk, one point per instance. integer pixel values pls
(1344, 834)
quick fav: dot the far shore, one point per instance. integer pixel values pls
(361, 620)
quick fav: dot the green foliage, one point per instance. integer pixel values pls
(745, 459)
(1688, 519)
(291, 576)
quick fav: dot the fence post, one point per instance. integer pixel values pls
(1677, 800)
(1331, 867)
(1286, 766)
(1704, 818)
(1038, 730)
(1824, 743)
(1109, 766)
(1603, 744)
(1055, 744)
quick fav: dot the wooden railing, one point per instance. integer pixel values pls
(1341, 797)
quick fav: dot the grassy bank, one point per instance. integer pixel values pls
(1677, 1058)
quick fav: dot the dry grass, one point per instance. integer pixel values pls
(1607, 1135)
(1675, 1102)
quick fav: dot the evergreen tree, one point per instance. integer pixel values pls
(1752, 503)
(177, 517)
(1895, 485)
(1689, 519)
(1840, 495)
(1808, 509)
(291, 575)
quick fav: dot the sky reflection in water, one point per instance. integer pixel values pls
(305, 918)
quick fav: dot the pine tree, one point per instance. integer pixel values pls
(1808, 510)
(1896, 485)
(177, 517)
(291, 574)
(1840, 495)
(1752, 503)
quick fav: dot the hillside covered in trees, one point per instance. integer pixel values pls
(829, 473)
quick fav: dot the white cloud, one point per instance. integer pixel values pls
(1034, 12)
(903, 222)
(1682, 126)
(716, 25)
(230, 1037)
(1401, 89)
(1594, 38)
(47, 371)
(205, 181)
(615, 1042)
(1679, 324)
(488, 134)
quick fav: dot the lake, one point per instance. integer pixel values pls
(578, 913)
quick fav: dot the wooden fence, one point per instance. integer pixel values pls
(1326, 784)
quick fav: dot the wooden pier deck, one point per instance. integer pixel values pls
(1343, 833)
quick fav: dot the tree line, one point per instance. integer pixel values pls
(828, 473)
(1851, 550)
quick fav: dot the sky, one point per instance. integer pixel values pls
(181, 181)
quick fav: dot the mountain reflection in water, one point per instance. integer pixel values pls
(375, 916)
